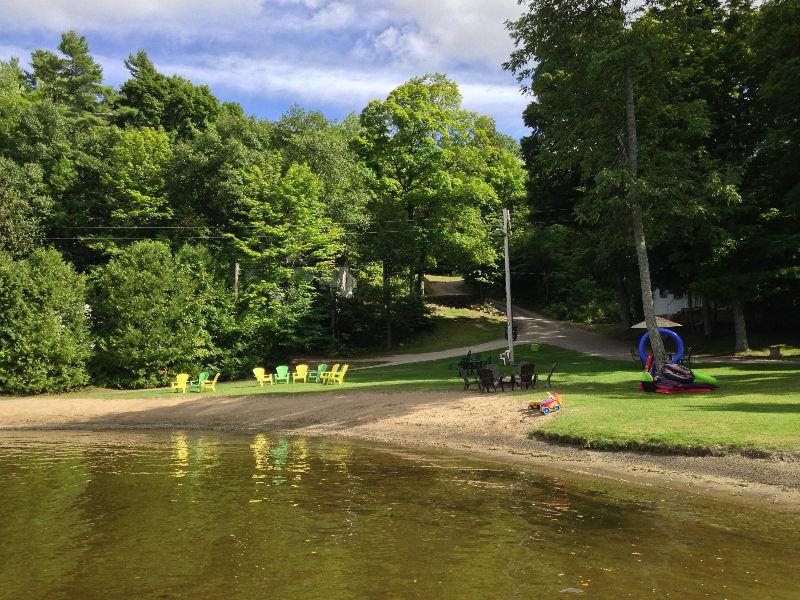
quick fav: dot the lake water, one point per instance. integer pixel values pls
(215, 515)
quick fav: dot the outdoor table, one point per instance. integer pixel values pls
(472, 364)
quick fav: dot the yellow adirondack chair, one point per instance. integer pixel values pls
(262, 377)
(338, 377)
(181, 382)
(327, 374)
(300, 374)
(211, 384)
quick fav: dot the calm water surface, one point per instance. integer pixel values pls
(214, 515)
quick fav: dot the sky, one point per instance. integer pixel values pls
(328, 55)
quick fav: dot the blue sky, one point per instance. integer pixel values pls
(328, 55)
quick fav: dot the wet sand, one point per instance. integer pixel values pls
(496, 425)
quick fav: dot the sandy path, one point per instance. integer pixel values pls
(493, 424)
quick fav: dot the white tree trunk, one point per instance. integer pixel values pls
(740, 327)
(656, 343)
(706, 317)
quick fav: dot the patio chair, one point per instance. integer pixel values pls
(686, 359)
(528, 375)
(282, 374)
(197, 385)
(262, 377)
(323, 378)
(315, 375)
(338, 377)
(211, 384)
(300, 374)
(488, 381)
(637, 360)
(469, 378)
(495, 369)
(180, 383)
(550, 375)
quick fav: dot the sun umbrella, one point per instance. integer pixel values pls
(661, 322)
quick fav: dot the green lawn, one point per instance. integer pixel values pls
(757, 406)
(452, 328)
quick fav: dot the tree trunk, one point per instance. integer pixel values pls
(690, 315)
(387, 304)
(624, 302)
(706, 317)
(333, 313)
(740, 327)
(656, 343)
(546, 289)
(420, 275)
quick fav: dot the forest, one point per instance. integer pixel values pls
(149, 228)
(685, 110)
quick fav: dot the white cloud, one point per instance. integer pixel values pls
(334, 16)
(59, 15)
(348, 88)
(336, 52)
(461, 30)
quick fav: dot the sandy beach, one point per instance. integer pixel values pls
(493, 425)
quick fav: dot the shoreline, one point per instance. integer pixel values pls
(492, 426)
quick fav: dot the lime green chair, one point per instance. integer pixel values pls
(198, 384)
(327, 374)
(338, 377)
(316, 376)
(180, 383)
(300, 374)
(282, 374)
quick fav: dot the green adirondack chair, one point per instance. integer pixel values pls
(198, 384)
(282, 374)
(316, 376)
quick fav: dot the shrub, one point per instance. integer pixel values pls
(152, 312)
(44, 332)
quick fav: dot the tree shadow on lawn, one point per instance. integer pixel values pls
(749, 407)
(776, 383)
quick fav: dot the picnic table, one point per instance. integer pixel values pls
(471, 362)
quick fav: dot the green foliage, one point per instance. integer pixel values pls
(135, 177)
(152, 313)
(155, 100)
(74, 79)
(287, 244)
(709, 178)
(44, 332)
(24, 206)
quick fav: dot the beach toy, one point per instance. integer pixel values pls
(701, 377)
(669, 333)
(552, 403)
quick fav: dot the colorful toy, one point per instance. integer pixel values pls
(674, 379)
(669, 333)
(552, 403)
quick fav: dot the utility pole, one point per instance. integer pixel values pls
(236, 282)
(509, 316)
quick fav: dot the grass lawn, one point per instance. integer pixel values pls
(452, 328)
(757, 406)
